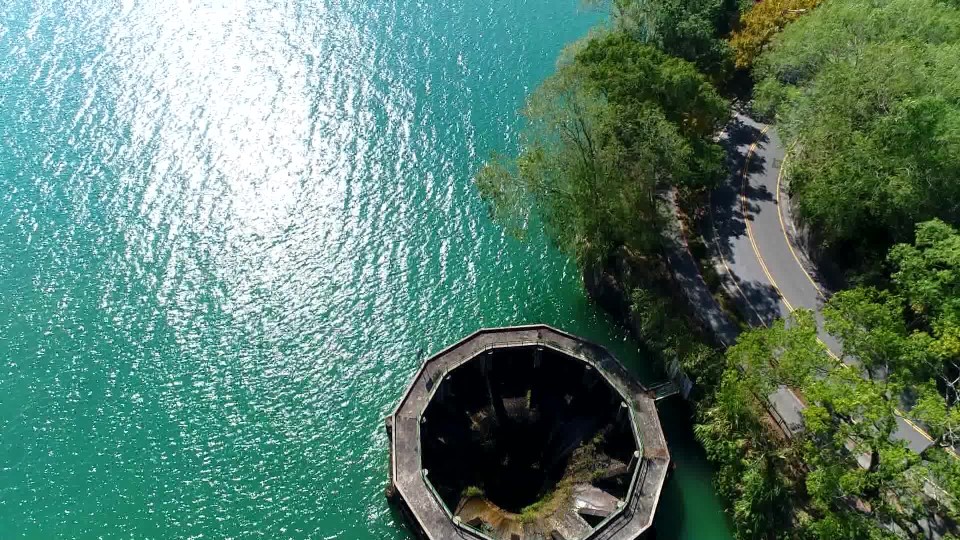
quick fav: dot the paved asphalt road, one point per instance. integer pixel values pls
(767, 270)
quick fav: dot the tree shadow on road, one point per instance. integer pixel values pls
(739, 133)
(759, 303)
(730, 203)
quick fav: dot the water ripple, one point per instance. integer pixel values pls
(226, 229)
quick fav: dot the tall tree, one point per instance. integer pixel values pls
(636, 77)
(613, 123)
(870, 325)
(753, 465)
(907, 338)
(842, 476)
(760, 23)
(577, 174)
(865, 91)
(693, 30)
(928, 273)
(758, 468)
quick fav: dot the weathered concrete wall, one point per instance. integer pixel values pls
(431, 518)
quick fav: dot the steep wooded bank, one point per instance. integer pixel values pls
(867, 94)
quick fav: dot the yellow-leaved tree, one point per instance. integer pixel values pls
(761, 22)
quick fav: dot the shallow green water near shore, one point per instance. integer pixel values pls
(227, 232)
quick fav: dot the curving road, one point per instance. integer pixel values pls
(768, 276)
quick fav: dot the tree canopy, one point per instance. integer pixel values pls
(866, 93)
(760, 23)
(866, 96)
(693, 30)
(844, 476)
(601, 134)
(909, 331)
(841, 476)
(637, 77)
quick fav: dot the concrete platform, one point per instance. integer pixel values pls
(410, 487)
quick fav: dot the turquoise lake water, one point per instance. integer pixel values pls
(227, 231)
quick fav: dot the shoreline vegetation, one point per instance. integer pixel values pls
(866, 96)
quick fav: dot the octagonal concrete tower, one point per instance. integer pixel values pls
(526, 433)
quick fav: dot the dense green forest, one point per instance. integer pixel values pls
(617, 118)
(843, 476)
(866, 95)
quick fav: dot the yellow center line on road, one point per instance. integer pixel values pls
(746, 220)
(773, 283)
(783, 228)
(723, 260)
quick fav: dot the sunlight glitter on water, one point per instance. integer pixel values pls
(227, 231)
